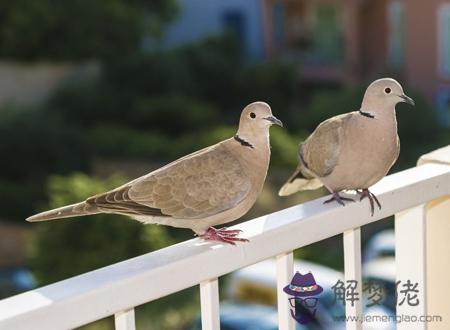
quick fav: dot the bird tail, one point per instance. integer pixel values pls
(299, 182)
(68, 211)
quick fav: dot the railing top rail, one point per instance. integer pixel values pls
(100, 293)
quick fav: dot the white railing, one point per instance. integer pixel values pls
(118, 288)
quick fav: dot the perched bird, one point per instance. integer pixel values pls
(209, 187)
(352, 151)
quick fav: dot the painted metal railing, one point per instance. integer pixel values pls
(117, 289)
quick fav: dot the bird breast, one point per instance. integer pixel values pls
(369, 150)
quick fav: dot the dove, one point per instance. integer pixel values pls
(210, 187)
(354, 150)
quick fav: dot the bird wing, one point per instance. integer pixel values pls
(199, 185)
(320, 152)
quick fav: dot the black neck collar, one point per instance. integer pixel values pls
(366, 114)
(243, 142)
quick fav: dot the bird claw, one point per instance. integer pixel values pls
(366, 193)
(340, 199)
(224, 230)
(223, 235)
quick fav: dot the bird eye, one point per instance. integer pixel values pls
(387, 90)
(252, 115)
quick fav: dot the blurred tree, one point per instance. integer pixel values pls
(177, 91)
(284, 148)
(33, 146)
(64, 248)
(269, 82)
(418, 128)
(79, 29)
(37, 144)
(327, 103)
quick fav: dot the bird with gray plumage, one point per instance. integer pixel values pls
(210, 187)
(352, 151)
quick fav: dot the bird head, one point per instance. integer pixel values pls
(385, 92)
(256, 119)
(257, 116)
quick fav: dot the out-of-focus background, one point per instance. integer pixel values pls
(93, 93)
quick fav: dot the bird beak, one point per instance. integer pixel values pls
(407, 99)
(274, 120)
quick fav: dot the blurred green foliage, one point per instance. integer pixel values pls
(37, 144)
(79, 29)
(177, 91)
(34, 146)
(66, 248)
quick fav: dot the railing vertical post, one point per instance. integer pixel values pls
(352, 265)
(437, 224)
(410, 240)
(209, 301)
(285, 270)
(124, 320)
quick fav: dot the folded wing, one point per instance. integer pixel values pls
(204, 184)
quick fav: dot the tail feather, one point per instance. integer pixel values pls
(298, 182)
(68, 211)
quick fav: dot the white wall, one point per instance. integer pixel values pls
(31, 83)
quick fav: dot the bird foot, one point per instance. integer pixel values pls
(336, 197)
(366, 193)
(223, 235)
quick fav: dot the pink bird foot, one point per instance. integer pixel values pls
(223, 235)
(366, 193)
(336, 197)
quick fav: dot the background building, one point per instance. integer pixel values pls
(357, 41)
